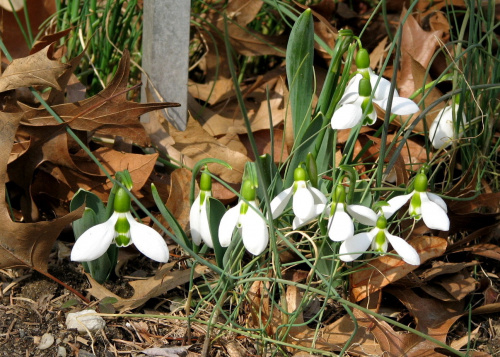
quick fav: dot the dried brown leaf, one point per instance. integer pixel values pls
(38, 69)
(164, 280)
(107, 113)
(24, 244)
(388, 269)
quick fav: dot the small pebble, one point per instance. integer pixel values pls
(82, 322)
(61, 351)
(46, 341)
(82, 353)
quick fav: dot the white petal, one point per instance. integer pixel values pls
(205, 227)
(403, 106)
(438, 200)
(148, 241)
(298, 222)
(319, 197)
(351, 91)
(441, 131)
(395, 204)
(254, 232)
(363, 214)
(433, 215)
(405, 250)
(347, 117)
(278, 204)
(195, 221)
(353, 247)
(303, 203)
(227, 225)
(95, 241)
(340, 226)
(382, 89)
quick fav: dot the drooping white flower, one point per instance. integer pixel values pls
(444, 127)
(250, 224)
(198, 217)
(308, 202)
(123, 230)
(355, 107)
(340, 223)
(426, 205)
(356, 97)
(378, 238)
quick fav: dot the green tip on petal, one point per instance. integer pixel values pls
(365, 87)
(121, 203)
(205, 182)
(362, 59)
(381, 222)
(248, 191)
(379, 243)
(299, 174)
(421, 182)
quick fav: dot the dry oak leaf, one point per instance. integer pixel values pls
(106, 113)
(38, 69)
(24, 244)
(164, 280)
(387, 269)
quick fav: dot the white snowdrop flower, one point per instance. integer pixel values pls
(250, 224)
(308, 202)
(426, 205)
(356, 97)
(198, 218)
(443, 128)
(378, 238)
(123, 230)
(340, 224)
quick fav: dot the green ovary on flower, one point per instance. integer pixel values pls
(362, 59)
(299, 174)
(381, 222)
(121, 203)
(205, 182)
(248, 191)
(421, 182)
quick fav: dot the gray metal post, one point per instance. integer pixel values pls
(166, 54)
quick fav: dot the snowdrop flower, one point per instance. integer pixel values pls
(251, 225)
(122, 230)
(352, 107)
(308, 202)
(426, 205)
(198, 217)
(378, 238)
(356, 95)
(340, 224)
(443, 128)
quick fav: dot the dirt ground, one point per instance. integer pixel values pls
(33, 310)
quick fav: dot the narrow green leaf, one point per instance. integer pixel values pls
(215, 211)
(299, 70)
